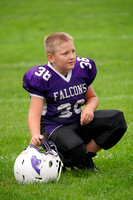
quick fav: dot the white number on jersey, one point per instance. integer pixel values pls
(84, 62)
(82, 59)
(67, 113)
(44, 73)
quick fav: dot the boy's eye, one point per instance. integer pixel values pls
(65, 53)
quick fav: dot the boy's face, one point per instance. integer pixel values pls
(64, 58)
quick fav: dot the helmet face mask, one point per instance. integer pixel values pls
(38, 165)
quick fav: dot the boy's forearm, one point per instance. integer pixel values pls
(34, 124)
(92, 103)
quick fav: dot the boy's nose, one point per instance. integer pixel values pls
(72, 55)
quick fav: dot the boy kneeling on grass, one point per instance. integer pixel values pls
(58, 89)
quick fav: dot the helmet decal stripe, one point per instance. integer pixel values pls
(35, 164)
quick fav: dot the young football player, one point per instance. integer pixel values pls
(58, 90)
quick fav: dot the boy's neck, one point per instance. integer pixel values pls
(63, 71)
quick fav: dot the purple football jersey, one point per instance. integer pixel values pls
(63, 96)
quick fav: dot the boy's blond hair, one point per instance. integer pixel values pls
(51, 42)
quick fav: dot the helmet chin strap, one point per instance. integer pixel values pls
(49, 146)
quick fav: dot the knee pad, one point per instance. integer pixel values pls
(117, 131)
(121, 121)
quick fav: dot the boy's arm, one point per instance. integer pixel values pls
(87, 113)
(34, 116)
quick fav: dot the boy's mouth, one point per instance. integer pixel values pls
(71, 63)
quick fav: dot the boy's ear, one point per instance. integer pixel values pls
(50, 57)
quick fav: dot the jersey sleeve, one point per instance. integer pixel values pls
(92, 72)
(34, 84)
(87, 69)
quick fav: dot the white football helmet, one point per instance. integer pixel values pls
(38, 165)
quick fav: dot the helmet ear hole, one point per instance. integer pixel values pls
(50, 163)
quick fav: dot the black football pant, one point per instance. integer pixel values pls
(106, 129)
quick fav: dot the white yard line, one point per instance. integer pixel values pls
(116, 97)
(99, 36)
(12, 100)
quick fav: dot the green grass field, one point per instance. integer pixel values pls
(103, 31)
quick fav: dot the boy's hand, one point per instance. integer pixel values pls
(36, 139)
(87, 115)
